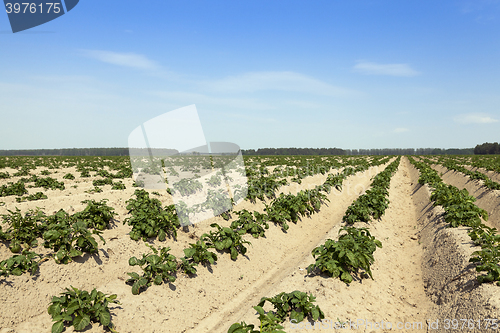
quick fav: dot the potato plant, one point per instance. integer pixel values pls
(458, 205)
(218, 202)
(269, 323)
(198, 253)
(343, 258)
(460, 210)
(158, 267)
(225, 239)
(69, 239)
(297, 305)
(374, 201)
(79, 308)
(20, 263)
(97, 215)
(149, 219)
(69, 176)
(187, 186)
(32, 197)
(102, 182)
(118, 186)
(289, 207)
(255, 225)
(22, 230)
(48, 183)
(17, 188)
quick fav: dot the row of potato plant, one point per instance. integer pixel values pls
(460, 210)
(353, 251)
(287, 303)
(160, 266)
(451, 164)
(67, 235)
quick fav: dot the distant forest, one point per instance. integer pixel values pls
(485, 148)
(338, 151)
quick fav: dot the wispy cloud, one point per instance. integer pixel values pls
(372, 68)
(282, 81)
(475, 118)
(401, 130)
(197, 98)
(122, 59)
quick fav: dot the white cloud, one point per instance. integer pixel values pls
(371, 68)
(283, 81)
(122, 59)
(475, 118)
(401, 130)
(196, 98)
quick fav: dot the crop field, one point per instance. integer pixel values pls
(315, 243)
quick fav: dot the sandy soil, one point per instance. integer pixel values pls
(415, 273)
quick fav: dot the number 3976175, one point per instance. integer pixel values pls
(32, 8)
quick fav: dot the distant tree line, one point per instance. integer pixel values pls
(338, 151)
(411, 151)
(67, 152)
(261, 151)
(487, 148)
(294, 151)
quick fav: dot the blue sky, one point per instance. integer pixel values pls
(348, 74)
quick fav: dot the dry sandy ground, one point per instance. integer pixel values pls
(413, 273)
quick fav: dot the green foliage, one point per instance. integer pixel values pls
(79, 308)
(336, 180)
(20, 264)
(97, 215)
(225, 239)
(250, 224)
(102, 182)
(460, 210)
(187, 186)
(22, 231)
(95, 189)
(375, 200)
(289, 207)
(215, 180)
(297, 304)
(488, 257)
(218, 201)
(69, 239)
(69, 176)
(269, 322)
(242, 328)
(45, 173)
(118, 186)
(157, 267)
(22, 172)
(353, 251)
(85, 174)
(17, 188)
(48, 183)
(263, 187)
(4, 175)
(32, 197)
(198, 253)
(458, 205)
(149, 219)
